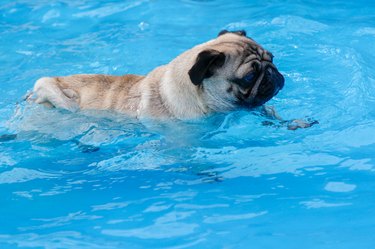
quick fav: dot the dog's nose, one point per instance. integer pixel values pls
(275, 78)
(271, 84)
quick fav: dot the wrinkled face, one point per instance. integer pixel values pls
(233, 70)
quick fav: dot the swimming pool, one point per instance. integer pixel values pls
(225, 181)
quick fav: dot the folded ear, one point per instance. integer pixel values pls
(205, 65)
(224, 31)
(237, 32)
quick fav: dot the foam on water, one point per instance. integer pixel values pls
(224, 181)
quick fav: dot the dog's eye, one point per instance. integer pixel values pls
(249, 77)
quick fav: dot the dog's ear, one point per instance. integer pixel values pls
(205, 65)
(224, 31)
(238, 32)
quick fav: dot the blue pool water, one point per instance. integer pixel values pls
(225, 181)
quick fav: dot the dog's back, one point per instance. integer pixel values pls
(85, 91)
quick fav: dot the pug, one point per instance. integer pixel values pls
(229, 72)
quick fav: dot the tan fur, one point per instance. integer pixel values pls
(165, 92)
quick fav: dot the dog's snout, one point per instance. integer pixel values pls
(273, 76)
(271, 84)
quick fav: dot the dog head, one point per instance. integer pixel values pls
(233, 70)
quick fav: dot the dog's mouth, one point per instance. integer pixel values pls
(258, 87)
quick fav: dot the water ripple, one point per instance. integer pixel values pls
(18, 175)
(221, 181)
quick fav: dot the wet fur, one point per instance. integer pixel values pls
(169, 91)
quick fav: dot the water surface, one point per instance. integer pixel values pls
(225, 181)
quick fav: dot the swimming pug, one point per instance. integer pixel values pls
(229, 72)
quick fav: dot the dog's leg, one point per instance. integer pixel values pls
(270, 112)
(49, 93)
(298, 123)
(293, 124)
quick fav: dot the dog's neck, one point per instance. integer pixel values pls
(180, 96)
(175, 91)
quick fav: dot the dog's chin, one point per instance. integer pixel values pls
(252, 103)
(265, 94)
(268, 88)
(245, 100)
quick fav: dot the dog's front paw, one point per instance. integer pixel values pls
(298, 123)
